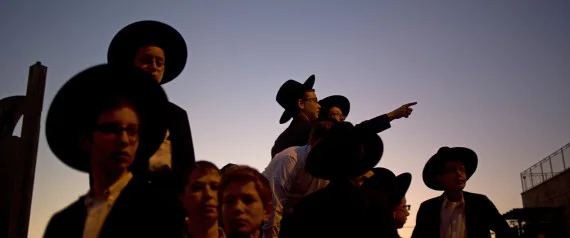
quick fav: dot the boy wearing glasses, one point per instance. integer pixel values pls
(99, 124)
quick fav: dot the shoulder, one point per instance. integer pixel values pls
(65, 216)
(175, 108)
(431, 201)
(475, 196)
(289, 154)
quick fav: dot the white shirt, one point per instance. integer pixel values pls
(452, 219)
(289, 183)
(163, 156)
(97, 210)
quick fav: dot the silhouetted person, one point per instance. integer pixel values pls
(290, 181)
(344, 156)
(161, 51)
(99, 124)
(200, 200)
(245, 198)
(456, 213)
(384, 183)
(300, 103)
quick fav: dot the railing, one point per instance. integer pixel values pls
(547, 168)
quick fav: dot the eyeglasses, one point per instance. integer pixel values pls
(315, 100)
(115, 129)
(454, 170)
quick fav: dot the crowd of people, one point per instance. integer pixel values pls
(115, 122)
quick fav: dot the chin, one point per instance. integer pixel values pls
(211, 216)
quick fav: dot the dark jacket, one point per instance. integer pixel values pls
(298, 132)
(481, 216)
(183, 157)
(139, 211)
(340, 210)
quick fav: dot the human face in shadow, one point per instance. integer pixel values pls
(401, 213)
(243, 211)
(454, 176)
(309, 105)
(151, 59)
(200, 197)
(335, 114)
(115, 140)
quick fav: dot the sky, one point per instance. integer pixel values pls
(493, 76)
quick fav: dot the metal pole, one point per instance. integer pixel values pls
(542, 171)
(563, 162)
(531, 180)
(551, 170)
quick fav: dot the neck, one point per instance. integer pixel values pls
(255, 234)
(454, 196)
(203, 228)
(102, 180)
(303, 117)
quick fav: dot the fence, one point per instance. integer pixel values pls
(547, 168)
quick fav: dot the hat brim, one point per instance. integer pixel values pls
(128, 40)
(344, 152)
(435, 165)
(334, 101)
(79, 102)
(290, 111)
(403, 182)
(385, 181)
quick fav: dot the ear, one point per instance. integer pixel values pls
(301, 103)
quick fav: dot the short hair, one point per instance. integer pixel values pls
(319, 129)
(303, 96)
(202, 165)
(106, 103)
(226, 167)
(242, 173)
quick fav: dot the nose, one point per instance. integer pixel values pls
(341, 118)
(210, 193)
(154, 64)
(124, 138)
(240, 207)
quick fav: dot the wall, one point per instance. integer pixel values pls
(553, 192)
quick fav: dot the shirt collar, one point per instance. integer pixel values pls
(447, 203)
(112, 192)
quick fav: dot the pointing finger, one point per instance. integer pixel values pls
(410, 104)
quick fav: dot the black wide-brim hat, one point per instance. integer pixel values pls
(127, 41)
(435, 165)
(81, 100)
(334, 101)
(288, 95)
(344, 152)
(385, 180)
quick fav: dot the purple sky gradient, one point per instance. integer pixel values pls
(492, 76)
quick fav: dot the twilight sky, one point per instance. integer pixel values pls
(490, 75)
